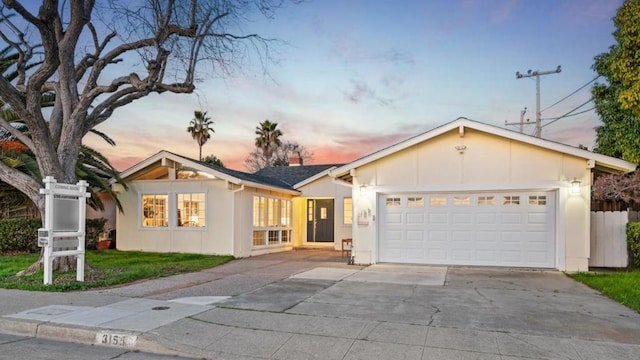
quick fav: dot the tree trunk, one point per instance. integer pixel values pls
(60, 264)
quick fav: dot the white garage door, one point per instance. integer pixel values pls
(492, 229)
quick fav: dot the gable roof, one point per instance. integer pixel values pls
(233, 176)
(293, 175)
(462, 123)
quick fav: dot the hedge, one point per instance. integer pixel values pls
(633, 243)
(20, 235)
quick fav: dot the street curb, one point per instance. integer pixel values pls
(84, 335)
(19, 327)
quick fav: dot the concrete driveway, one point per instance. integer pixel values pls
(309, 304)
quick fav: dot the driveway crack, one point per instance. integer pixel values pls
(490, 301)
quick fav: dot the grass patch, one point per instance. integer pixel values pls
(621, 286)
(109, 267)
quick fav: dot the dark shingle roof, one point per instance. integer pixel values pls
(292, 175)
(279, 176)
(242, 175)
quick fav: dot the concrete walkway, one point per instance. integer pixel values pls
(308, 304)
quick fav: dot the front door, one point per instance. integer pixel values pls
(320, 220)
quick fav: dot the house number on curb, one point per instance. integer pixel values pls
(110, 338)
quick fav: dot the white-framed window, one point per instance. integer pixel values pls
(461, 200)
(155, 210)
(537, 200)
(393, 201)
(415, 201)
(438, 201)
(191, 209)
(271, 221)
(511, 200)
(486, 200)
(347, 211)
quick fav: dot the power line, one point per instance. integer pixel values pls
(578, 113)
(573, 93)
(569, 112)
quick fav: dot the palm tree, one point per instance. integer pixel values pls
(200, 129)
(268, 138)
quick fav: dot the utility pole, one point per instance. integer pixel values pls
(537, 75)
(521, 123)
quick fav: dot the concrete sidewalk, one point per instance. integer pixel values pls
(308, 304)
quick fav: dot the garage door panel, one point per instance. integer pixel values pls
(438, 219)
(496, 229)
(415, 254)
(438, 256)
(393, 235)
(415, 218)
(462, 219)
(415, 235)
(537, 218)
(461, 255)
(512, 219)
(462, 236)
(487, 237)
(488, 255)
(486, 218)
(394, 218)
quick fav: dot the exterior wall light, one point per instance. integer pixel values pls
(363, 189)
(575, 186)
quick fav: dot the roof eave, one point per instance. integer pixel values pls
(314, 178)
(462, 123)
(196, 166)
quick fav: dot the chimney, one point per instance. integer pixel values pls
(295, 161)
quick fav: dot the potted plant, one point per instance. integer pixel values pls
(104, 240)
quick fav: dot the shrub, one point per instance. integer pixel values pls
(633, 243)
(20, 235)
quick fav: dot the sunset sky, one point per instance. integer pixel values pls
(356, 76)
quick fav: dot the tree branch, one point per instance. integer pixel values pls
(16, 133)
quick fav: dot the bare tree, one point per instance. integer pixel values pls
(280, 156)
(85, 66)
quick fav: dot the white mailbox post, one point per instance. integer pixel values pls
(64, 224)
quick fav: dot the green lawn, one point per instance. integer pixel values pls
(621, 286)
(109, 267)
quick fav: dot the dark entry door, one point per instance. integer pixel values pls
(320, 220)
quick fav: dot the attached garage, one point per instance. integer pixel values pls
(468, 193)
(491, 229)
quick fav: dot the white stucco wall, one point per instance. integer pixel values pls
(489, 163)
(229, 219)
(212, 239)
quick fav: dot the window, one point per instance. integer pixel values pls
(154, 210)
(271, 221)
(511, 200)
(191, 210)
(393, 201)
(438, 201)
(259, 211)
(310, 210)
(347, 206)
(537, 200)
(274, 237)
(259, 238)
(486, 200)
(285, 213)
(461, 200)
(415, 201)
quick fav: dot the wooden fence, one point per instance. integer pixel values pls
(609, 238)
